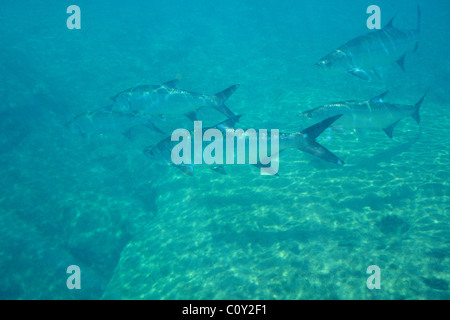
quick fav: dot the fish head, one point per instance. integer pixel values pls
(121, 103)
(150, 152)
(314, 114)
(333, 60)
(307, 114)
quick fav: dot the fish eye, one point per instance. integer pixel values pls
(307, 114)
(323, 63)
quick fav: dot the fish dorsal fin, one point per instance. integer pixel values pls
(380, 97)
(171, 84)
(390, 23)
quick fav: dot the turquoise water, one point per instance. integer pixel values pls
(139, 230)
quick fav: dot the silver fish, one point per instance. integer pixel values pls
(156, 100)
(373, 113)
(104, 121)
(373, 50)
(305, 140)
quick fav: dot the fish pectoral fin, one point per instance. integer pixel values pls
(378, 72)
(219, 169)
(389, 130)
(401, 62)
(229, 123)
(187, 169)
(152, 126)
(360, 73)
(192, 115)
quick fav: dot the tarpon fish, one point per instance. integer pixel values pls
(373, 50)
(304, 140)
(372, 113)
(150, 101)
(104, 121)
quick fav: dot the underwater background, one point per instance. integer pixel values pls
(139, 230)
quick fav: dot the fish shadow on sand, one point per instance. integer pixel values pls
(436, 283)
(372, 163)
(296, 234)
(392, 224)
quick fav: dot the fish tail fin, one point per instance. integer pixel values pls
(222, 108)
(416, 115)
(222, 97)
(313, 147)
(229, 123)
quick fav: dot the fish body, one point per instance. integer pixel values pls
(166, 99)
(304, 140)
(366, 114)
(369, 52)
(104, 121)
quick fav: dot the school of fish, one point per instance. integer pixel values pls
(362, 57)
